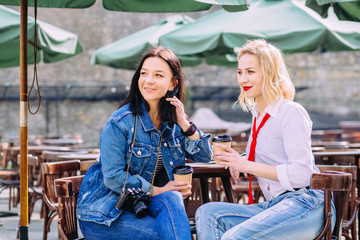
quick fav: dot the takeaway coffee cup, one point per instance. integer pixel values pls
(183, 173)
(223, 139)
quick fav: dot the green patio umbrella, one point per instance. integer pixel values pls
(54, 43)
(126, 52)
(289, 25)
(344, 9)
(52, 3)
(173, 5)
(138, 6)
(141, 5)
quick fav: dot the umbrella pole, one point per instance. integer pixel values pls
(24, 222)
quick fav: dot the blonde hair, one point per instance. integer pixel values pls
(276, 79)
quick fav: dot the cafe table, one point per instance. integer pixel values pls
(204, 171)
(81, 157)
(354, 145)
(62, 142)
(34, 150)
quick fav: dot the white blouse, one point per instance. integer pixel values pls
(284, 141)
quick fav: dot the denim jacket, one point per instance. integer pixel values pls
(104, 180)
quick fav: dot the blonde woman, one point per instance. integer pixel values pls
(278, 154)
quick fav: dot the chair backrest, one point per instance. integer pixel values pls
(3, 153)
(52, 156)
(67, 191)
(84, 165)
(54, 170)
(348, 169)
(340, 184)
(33, 163)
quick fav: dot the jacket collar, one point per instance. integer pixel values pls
(147, 123)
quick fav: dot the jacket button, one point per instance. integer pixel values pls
(171, 163)
(139, 152)
(165, 144)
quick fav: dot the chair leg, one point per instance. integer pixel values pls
(50, 215)
(32, 201)
(46, 219)
(9, 198)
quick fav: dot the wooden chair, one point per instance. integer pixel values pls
(67, 191)
(3, 154)
(338, 183)
(84, 165)
(241, 188)
(34, 192)
(352, 206)
(10, 180)
(50, 172)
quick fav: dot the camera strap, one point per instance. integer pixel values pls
(132, 146)
(157, 160)
(128, 166)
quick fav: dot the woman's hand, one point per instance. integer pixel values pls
(180, 112)
(174, 186)
(181, 116)
(232, 159)
(235, 174)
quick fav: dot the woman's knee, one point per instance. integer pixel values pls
(171, 198)
(204, 210)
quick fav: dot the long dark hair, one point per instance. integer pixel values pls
(166, 110)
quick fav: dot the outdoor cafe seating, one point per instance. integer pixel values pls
(210, 182)
(67, 191)
(52, 171)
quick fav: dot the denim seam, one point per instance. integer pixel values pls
(217, 222)
(172, 221)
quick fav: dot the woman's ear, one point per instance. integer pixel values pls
(172, 93)
(174, 84)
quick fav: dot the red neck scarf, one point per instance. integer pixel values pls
(251, 157)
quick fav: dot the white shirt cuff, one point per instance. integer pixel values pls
(283, 177)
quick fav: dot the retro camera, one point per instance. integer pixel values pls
(135, 201)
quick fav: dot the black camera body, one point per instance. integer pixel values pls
(135, 201)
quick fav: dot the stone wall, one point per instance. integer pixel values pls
(332, 78)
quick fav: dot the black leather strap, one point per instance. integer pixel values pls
(190, 131)
(296, 189)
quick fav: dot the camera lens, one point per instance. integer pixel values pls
(140, 209)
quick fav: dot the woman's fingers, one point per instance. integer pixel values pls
(234, 174)
(177, 186)
(186, 194)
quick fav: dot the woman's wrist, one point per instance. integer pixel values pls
(156, 191)
(184, 125)
(247, 165)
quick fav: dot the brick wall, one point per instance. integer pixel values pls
(332, 78)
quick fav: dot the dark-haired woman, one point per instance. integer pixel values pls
(153, 118)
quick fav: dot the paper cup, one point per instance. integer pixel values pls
(183, 173)
(223, 139)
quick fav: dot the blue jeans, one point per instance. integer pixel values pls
(167, 220)
(293, 215)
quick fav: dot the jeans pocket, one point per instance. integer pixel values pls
(311, 198)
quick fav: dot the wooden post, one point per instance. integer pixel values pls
(24, 222)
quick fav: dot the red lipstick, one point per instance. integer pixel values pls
(246, 88)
